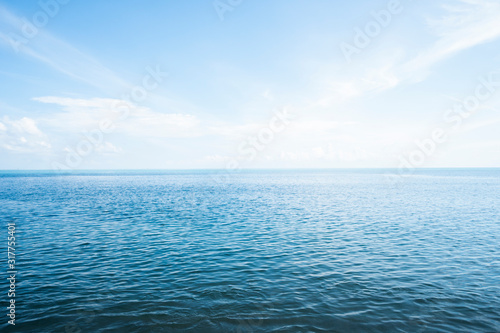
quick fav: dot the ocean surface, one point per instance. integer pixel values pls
(260, 251)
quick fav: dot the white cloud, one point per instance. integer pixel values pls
(108, 148)
(78, 102)
(144, 122)
(235, 131)
(22, 135)
(475, 125)
(86, 114)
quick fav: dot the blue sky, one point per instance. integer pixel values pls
(249, 84)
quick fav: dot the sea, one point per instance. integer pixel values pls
(359, 250)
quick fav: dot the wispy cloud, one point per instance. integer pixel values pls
(464, 24)
(461, 25)
(58, 54)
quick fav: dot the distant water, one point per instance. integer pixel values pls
(267, 251)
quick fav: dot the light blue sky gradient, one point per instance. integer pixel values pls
(233, 76)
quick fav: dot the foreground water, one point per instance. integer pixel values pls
(268, 251)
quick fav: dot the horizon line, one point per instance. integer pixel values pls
(253, 169)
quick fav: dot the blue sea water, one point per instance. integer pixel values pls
(260, 251)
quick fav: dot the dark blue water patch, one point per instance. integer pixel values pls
(266, 251)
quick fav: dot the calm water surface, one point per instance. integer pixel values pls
(268, 251)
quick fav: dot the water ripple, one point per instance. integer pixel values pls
(270, 252)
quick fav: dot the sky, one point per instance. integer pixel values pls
(237, 84)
